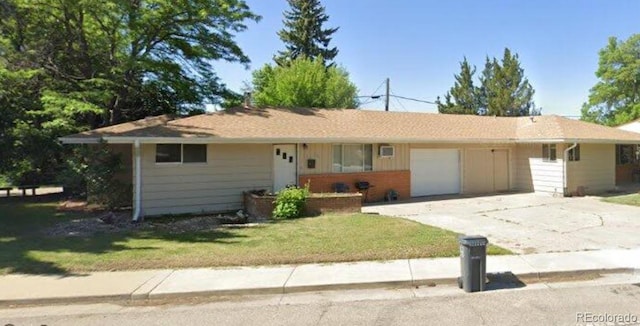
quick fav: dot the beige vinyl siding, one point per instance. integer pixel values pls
(533, 174)
(171, 188)
(595, 171)
(323, 154)
(400, 160)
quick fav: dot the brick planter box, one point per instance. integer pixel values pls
(316, 204)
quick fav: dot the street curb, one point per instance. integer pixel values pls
(347, 286)
(65, 300)
(211, 293)
(527, 278)
(143, 293)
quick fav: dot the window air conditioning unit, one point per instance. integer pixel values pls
(387, 151)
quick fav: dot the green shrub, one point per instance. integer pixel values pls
(290, 202)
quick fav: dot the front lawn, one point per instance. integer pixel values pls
(328, 238)
(633, 199)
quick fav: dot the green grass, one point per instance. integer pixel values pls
(327, 238)
(633, 199)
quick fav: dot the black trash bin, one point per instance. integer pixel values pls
(473, 262)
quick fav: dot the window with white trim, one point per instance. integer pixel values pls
(181, 153)
(549, 152)
(352, 157)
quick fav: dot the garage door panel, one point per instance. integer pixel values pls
(501, 170)
(486, 171)
(434, 172)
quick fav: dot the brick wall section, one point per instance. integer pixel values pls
(382, 182)
(258, 206)
(262, 206)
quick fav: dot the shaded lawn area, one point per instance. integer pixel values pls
(632, 199)
(327, 238)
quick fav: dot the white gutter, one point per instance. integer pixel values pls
(564, 167)
(138, 186)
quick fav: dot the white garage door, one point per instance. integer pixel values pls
(435, 172)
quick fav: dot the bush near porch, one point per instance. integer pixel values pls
(25, 247)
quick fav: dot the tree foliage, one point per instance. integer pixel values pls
(304, 83)
(464, 93)
(93, 172)
(303, 34)
(503, 90)
(70, 65)
(615, 99)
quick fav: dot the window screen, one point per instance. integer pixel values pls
(168, 153)
(193, 153)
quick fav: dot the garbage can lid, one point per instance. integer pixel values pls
(473, 240)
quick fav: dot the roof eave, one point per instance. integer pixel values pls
(276, 140)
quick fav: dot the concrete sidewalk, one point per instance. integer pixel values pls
(162, 284)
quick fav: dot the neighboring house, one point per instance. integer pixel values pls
(627, 156)
(203, 163)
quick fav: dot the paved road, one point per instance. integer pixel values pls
(529, 223)
(538, 304)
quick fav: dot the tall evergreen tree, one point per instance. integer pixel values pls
(304, 34)
(505, 91)
(462, 98)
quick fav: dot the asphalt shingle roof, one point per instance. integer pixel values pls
(311, 125)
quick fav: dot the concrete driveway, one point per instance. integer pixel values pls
(529, 223)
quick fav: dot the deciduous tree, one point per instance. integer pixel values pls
(88, 63)
(615, 99)
(304, 83)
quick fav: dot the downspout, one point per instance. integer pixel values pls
(138, 188)
(565, 182)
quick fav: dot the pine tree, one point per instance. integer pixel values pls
(463, 93)
(505, 91)
(303, 34)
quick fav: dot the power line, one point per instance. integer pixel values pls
(414, 99)
(398, 101)
(373, 95)
(368, 102)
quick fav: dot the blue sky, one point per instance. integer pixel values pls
(419, 44)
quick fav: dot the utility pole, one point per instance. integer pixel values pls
(386, 98)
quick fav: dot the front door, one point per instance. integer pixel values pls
(284, 166)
